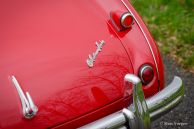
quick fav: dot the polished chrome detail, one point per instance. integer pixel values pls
(92, 57)
(145, 38)
(142, 70)
(131, 118)
(116, 120)
(166, 99)
(28, 107)
(138, 114)
(139, 103)
(125, 15)
(112, 121)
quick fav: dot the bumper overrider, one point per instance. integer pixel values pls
(142, 111)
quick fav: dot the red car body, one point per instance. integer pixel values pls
(45, 44)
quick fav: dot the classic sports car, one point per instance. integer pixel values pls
(88, 64)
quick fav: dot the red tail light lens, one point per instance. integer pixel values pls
(127, 20)
(121, 20)
(146, 74)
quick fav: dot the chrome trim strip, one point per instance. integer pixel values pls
(145, 38)
(136, 115)
(166, 98)
(92, 57)
(112, 121)
(29, 109)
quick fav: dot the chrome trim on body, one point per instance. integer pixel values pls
(166, 98)
(145, 38)
(112, 121)
(142, 70)
(139, 114)
(123, 19)
(139, 105)
(29, 109)
(92, 57)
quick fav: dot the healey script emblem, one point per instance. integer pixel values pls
(92, 57)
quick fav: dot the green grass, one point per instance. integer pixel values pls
(172, 25)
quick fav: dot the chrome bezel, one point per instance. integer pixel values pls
(144, 67)
(123, 19)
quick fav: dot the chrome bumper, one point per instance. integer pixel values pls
(142, 111)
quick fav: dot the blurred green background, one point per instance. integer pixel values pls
(171, 22)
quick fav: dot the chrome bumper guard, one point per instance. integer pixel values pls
(142, 111)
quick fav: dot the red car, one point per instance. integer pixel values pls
(88, 64)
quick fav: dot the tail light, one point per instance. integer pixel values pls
(146, 74)
(127, 20)
(121, 20)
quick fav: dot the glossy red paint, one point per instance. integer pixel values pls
(45, 44)
(115, 18)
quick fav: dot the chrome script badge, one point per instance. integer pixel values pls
(92, 57)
